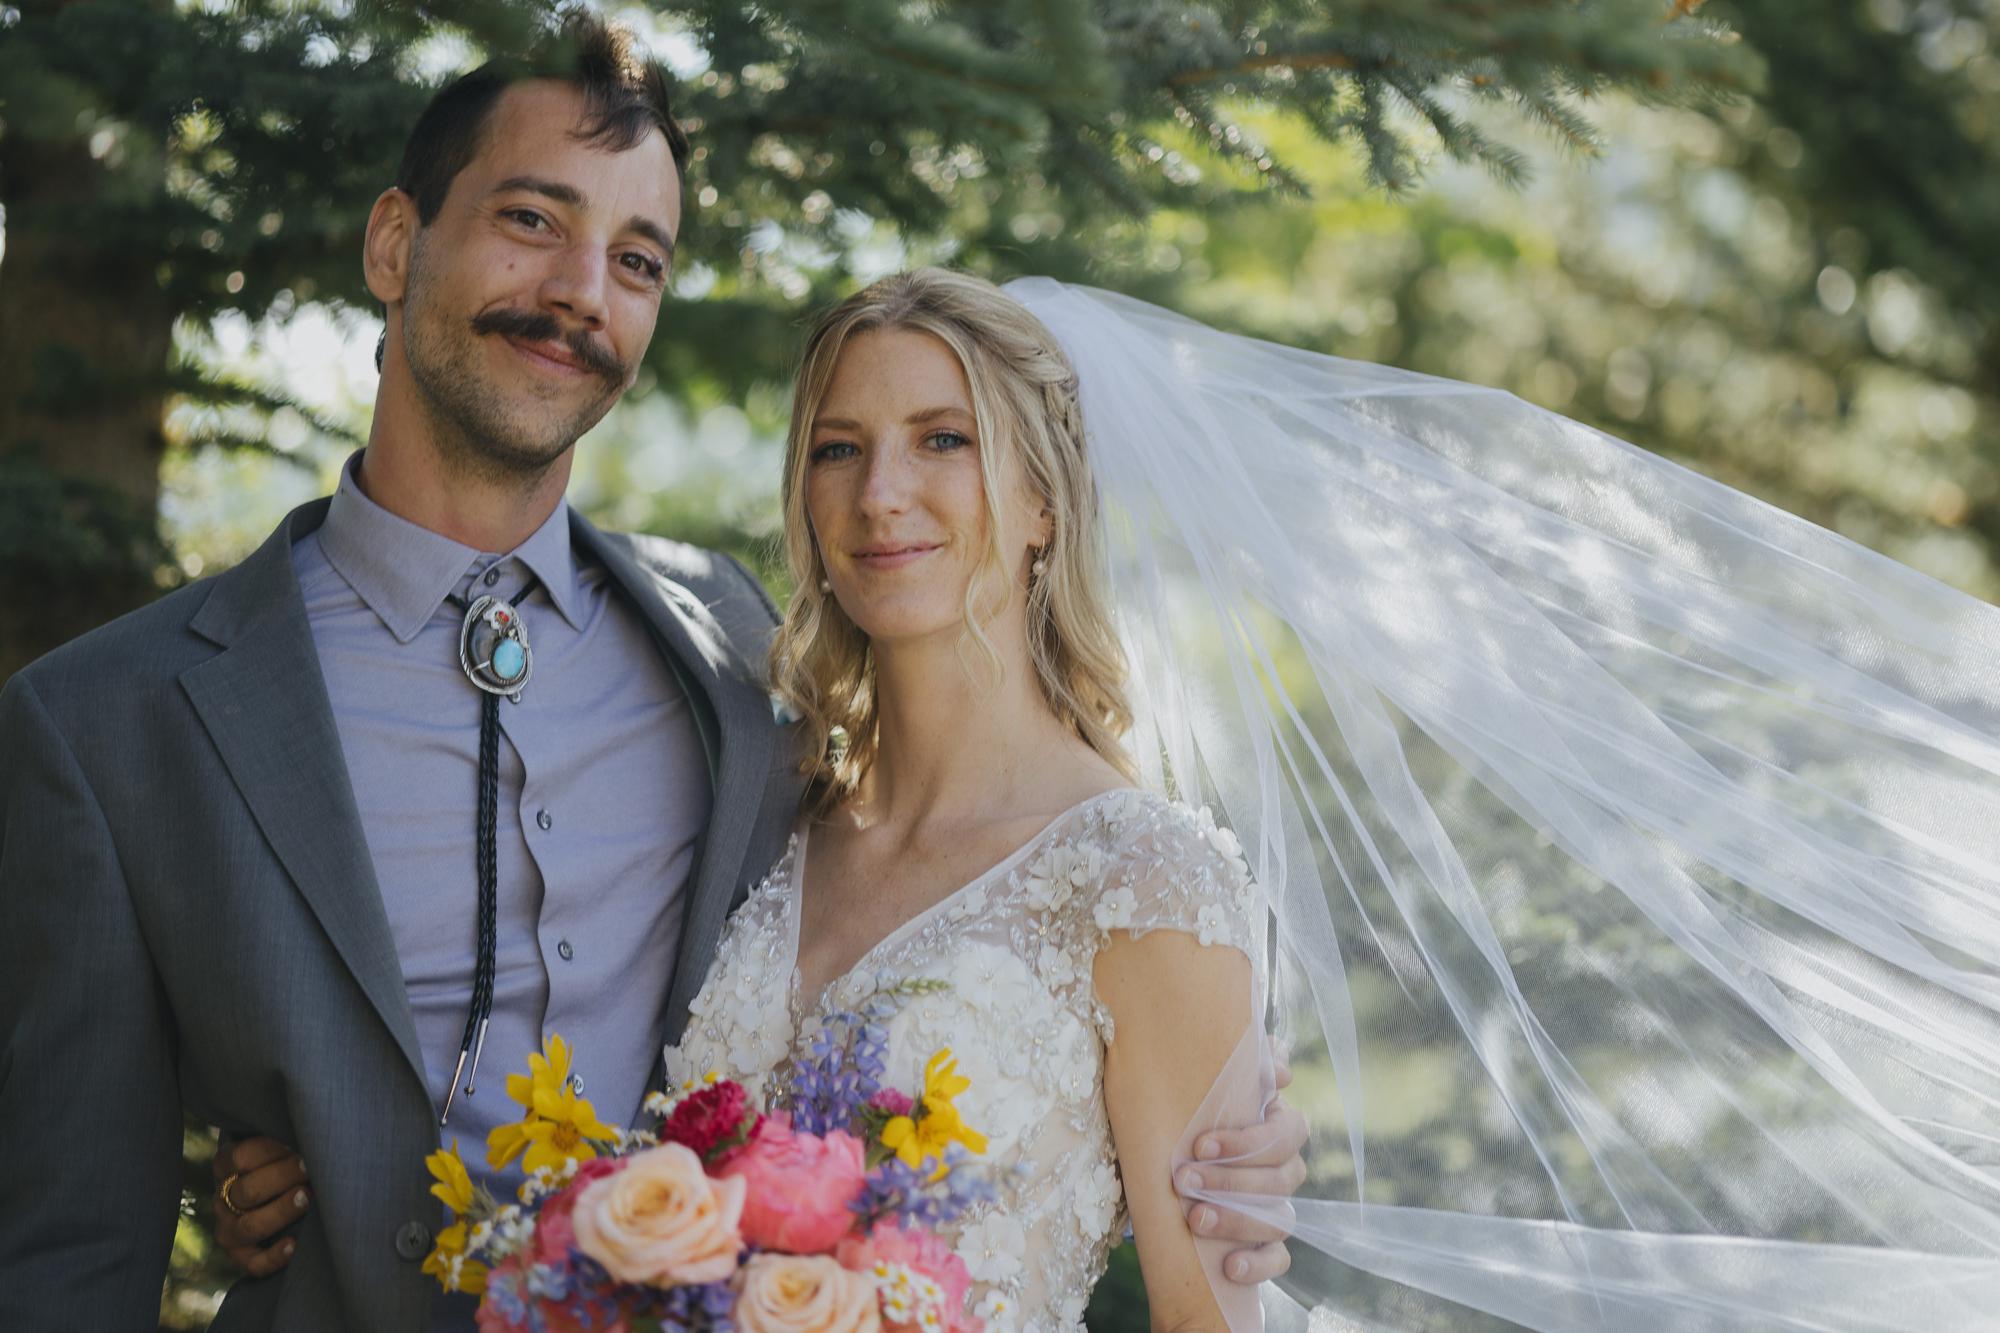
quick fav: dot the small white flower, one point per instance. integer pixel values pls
(1057, 968)
(992, 1248)
(1051, 879)
(1211, 923)
(996, 1310)
(1116, 908)
(1097, 1199)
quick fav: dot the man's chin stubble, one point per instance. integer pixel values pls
(481, 438)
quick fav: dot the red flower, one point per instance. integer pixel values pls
(712, 1119)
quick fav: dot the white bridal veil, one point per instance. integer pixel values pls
(1631, 848)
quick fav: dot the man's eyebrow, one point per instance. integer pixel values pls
(653, 232)
(570, 195)
(556, 190)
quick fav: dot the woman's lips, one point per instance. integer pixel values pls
(892, 559)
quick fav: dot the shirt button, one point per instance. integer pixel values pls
(413, 1240)
(492, 575)
(576, 1084)
(562, 947)
(544, 820)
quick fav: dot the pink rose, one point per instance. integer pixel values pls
(788, 1293)
(925, 1255)
(893, 1101)
(800, 1186)
(661, 1221)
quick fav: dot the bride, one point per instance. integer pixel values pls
(973, 822)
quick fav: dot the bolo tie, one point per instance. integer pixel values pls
(493, 650)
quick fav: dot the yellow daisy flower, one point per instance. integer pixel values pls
(913, 1140)
(454, 1190)
(454, 1182)
(559, 1124)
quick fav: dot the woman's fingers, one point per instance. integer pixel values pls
(235, 1158)
(274, 1180)
(263, 1260)
(266, 1193)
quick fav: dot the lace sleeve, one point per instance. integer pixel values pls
(1169, 866)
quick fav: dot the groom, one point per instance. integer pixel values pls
(238, 827)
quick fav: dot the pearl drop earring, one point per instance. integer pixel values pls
(826, 585)
(1041, 565)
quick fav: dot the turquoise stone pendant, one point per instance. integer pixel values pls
(493, 648)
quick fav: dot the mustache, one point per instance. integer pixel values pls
(539, 326)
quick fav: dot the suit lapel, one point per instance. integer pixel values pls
(264, 703)
(735, 712)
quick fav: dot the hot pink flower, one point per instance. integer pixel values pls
(710, 1118)
(800, 1186)
(922, 1253)
(892, 1100)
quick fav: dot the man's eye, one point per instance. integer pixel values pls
(527, 217)
(646, 264)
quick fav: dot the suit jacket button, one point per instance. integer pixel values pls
(413, 1240)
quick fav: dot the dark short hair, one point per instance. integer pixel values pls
(624, 91)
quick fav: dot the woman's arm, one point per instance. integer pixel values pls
(1179, 1009)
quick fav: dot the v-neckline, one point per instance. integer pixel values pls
(795, 903)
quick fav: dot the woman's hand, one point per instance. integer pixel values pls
(260, 1191)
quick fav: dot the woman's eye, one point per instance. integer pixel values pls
(947, 440)
(833, 452)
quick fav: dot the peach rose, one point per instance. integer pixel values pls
(661, 1221)
(800, 1186)
(789, 1293)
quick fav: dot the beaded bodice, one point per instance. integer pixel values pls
(1013, 951)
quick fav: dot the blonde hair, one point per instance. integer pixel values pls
(1024, 399)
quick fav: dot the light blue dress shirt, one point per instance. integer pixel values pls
(603, 792)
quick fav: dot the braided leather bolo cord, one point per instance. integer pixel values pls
(486, 854)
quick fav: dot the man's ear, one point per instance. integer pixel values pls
(385, 253)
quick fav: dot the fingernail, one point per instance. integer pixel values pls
(299, 1200)
(1238, 1269)
(1208, 1149)
(1190, 1180)
(302, 1166)
(290, 1245)
(1204, 1220)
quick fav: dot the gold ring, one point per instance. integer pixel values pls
(223, 1193)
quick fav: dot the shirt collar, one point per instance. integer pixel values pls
(404, 571)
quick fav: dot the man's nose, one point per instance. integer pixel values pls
(574, 288)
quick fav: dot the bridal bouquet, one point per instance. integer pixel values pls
(821, 1215)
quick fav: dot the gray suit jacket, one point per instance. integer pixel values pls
(189, 918)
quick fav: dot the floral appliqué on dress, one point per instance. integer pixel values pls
(1017, 946)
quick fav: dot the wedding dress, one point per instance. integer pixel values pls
(1013, 950)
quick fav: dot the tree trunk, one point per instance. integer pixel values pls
(85, 333)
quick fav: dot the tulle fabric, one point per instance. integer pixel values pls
(1631, 848)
